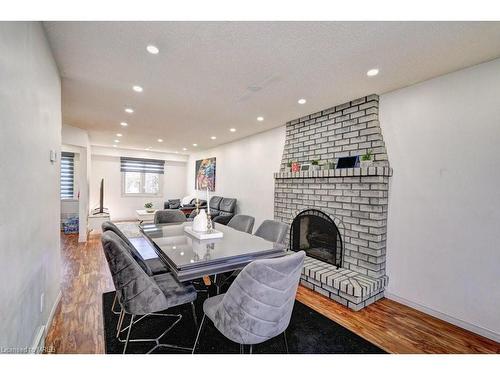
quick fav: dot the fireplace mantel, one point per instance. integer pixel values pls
(345, 172)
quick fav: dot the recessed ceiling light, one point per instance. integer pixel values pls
(115, 146)
(152, 49)
(119, 134)
(123, 123)
(160, 140)
(302, 101)
(129, 110)
(117, 141)
(213, 137)
(137, 88)
(184, 149)
(372, 72)
(232, 130)
(260, 118)
(195, 144)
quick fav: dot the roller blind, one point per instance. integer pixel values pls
(142, 165)
(67, 175)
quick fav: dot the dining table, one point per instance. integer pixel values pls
(190, 258)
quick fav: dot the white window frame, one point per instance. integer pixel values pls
(143, 176)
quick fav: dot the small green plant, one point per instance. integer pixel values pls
(148, 205)
(289, 164)
(367, 155)
(314, 162)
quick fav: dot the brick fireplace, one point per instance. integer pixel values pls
(355, 199)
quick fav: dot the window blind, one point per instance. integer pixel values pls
(142, 165)
(67, 175)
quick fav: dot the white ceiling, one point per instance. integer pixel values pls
(212, 76)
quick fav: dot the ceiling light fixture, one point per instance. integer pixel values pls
(232, 130)
(195, 144)
(372, 72)
(115, 146)
(160, 140)
(213, 137)
(129, 110)
(137, 88)
(302, 101)
(260, 118)
(117, 141)
(123, 124)
(119, 134)
(152, 49)
(184, 149)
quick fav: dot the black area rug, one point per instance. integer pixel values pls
(308, 332)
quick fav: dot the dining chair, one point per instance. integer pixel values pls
(169, 216)
(140, 294)
(258, 304)
(272, 230)
(243, 223)
(153, 266)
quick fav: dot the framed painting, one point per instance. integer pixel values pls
(205, 174)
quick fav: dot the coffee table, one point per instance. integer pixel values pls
(143, 215)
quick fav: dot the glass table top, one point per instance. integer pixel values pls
(185, 251)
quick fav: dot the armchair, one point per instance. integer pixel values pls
(224, 211)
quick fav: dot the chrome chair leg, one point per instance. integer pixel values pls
(128, 335)
(114, 304)
(242, 349)
(195, 317)
(251, 349)
(286, 342)
(157, 339)
(198, 334)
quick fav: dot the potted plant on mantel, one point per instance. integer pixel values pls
(327, 165)
(314, 165)
(367, 159)
(149, 207)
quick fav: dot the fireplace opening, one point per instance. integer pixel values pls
(315, 232)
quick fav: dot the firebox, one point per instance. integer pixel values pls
(315, 232)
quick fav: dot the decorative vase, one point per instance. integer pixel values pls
(200, 222)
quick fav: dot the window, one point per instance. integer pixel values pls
(67, 175)
(142, 177)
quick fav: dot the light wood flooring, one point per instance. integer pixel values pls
(78, 323)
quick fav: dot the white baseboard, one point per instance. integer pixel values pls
(38, 344)
(495, 336)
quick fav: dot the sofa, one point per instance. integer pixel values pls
(222, 209)
(173, 204)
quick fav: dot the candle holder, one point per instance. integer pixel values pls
(210, 225)
(197, 205)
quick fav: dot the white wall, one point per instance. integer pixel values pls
(443, 250)
(245, 171)
(30, 126)
(106, 164)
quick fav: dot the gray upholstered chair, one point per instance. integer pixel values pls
(151, 266)
(169, 216)
(272, 230)
(243, 223)
(258, 304)
(141, 294)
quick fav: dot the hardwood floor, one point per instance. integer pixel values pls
(78, 327)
